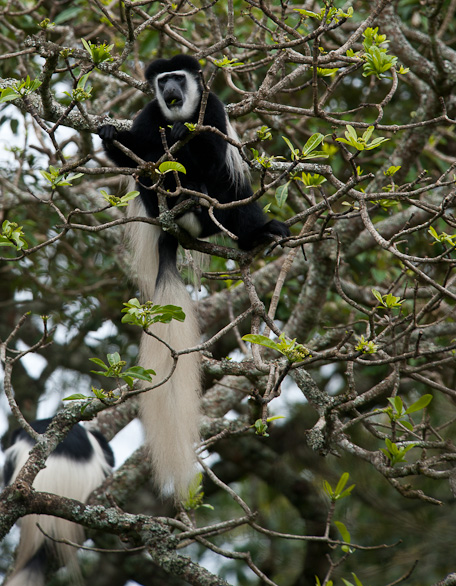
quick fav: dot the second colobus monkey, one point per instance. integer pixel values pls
(74, 470)
(171, 413)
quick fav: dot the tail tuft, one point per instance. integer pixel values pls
(171, 412)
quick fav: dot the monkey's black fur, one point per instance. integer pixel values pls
(204, 158)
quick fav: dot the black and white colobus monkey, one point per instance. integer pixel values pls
(76, 467)
(213, 166)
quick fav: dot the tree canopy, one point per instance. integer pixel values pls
(328, 357)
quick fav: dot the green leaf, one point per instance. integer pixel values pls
(351, 132)
(8, 94)
(314, 141)
(99, 362)
(376, 142)
(83, 80)
(128, 379)
(357, 581)
(76, 397)
(226, 62)
(322, 72)
(342, 482)
(261, 340)
(86, 45)
(420, 404)
(140, 373)
(114, 358)
(290, 348)
(397, 403)
(343, 531)
(391, 170)
(317, 155)
(307, 13)
(345, 537)
(377, 296)
(99, 393)
(395, 453)
(294, 151)
(339, 492)
(368, 133)
(281, 194)
(12, 235)
(328, 489)
(147, 314)
(310, 180)
(169, 166)
(260, 428)
(433, 232)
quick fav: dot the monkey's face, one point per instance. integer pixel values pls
(178, 94)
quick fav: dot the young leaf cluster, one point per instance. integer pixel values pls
(377, 61)
(12, 235)
(226, 62)
(58, 179)
(322, 72)
(290, 348)
(366, 346)
(395, 453)
(99, 394)
(117, 201)
(81, 92)
(114, 369)
(309, 149)
(388, 301)
(196, 495)
(443, 238)
(397, 412)
(98, 53)
(310, 180)
(361, 143)
(339, 492)
(264, 133)
(144, 315)
(386, 204)
(263, 160)
(261, 428)
(332, 13)
(20, 90)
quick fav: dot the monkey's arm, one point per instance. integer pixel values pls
(263, 234)
(108, 133)
(143, 139)
(252, 228)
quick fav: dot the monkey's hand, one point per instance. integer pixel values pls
(178, 131)
(107, 132)
(262, 235)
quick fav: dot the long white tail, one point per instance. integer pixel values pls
(171, 412)
(62, 476)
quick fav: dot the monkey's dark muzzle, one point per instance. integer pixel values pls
(173, 102)
(173, 97)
